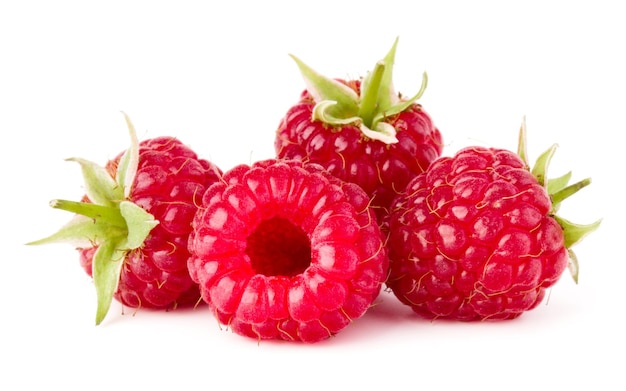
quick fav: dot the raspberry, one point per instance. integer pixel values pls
(477, 235)
(361, 131)
(283, 250)
(132, 226)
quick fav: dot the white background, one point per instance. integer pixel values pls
(219, 78)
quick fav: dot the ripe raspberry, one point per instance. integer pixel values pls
(477, 235)
(361, 131)
(284, 250)
(132, 226)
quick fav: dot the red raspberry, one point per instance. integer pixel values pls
(477, 236)
(284, 250)
(361, 131)
(132, 227)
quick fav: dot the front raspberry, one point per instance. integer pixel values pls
(132, 226)
(282, 250)
(361, 131)
(477, 236)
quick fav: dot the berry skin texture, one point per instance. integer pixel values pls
(282, 250)
(361, 131)
(476, 237)
(132, 226)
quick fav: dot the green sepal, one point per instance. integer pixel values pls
(100, 187)
(554, 186)
(540, 168)
(372, 93)
(129, 162)
(139, 223)
(109, 257)
(403, 104)
(106, 269)
(107, 214)
(382, 132)
(522, 144)
(573, 265)
(557, 184)
(81, 232)
(323, 111)
(345, 101)
(575, 233)
(387, 96)
(561, 194)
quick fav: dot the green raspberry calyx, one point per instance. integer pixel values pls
(338, 104)
(108, 221)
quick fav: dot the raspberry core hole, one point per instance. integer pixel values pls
(277, 247)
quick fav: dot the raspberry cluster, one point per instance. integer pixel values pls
(358, 198)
